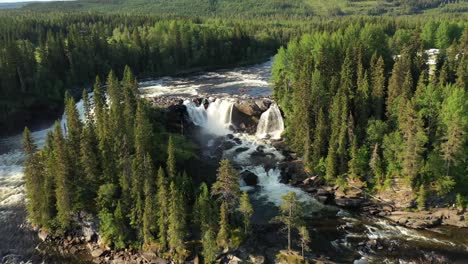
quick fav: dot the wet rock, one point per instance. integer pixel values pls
(263, 104)
(241, 149)
(249, 178)
(248, 108)
(258, 154)
(227, 145)
(230, 136)
(260, 148)
(238, 141)
(292, 172)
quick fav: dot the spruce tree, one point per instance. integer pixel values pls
(74, 130)
(99, 108)
(415, 139)
(210, 248)
(62, 179)
(171, 159)
(375, 165)
(204, 211)
(49, 210)
(319, 144)
(453, 126)
(89, 160)
(396, 83)
(227, 184)
(378, 86)
(176, 228)
(223, 232)
(246, 210)
(150, 212)
(163, 209)
(34, 174)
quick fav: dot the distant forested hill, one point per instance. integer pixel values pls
(260, 7)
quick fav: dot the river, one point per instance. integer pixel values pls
(341, 235)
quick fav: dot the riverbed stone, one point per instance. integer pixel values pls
(241, 149)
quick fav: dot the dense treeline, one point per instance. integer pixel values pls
(115, 161)
(363, 103)
(43, 55)
(298, 9)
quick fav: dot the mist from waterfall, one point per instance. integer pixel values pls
(271, 124)
(215, 119)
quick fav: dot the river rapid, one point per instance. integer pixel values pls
(342, 236)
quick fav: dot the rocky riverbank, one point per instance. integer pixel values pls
(355, 197)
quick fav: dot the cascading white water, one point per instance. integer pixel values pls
(271, 123)
(215, 119)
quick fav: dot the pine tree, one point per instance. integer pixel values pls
(223, 233)
(227, 184)
(176, 228)
(62, 178)
(246, 210)
(291, 214)
(305, 239)
(163, 209)
(210, 248)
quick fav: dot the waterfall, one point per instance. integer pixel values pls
(271, 123)
(215, 119)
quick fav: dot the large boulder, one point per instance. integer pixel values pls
(249, 108)
(263, 104)
(249, 178)
(90, 232)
